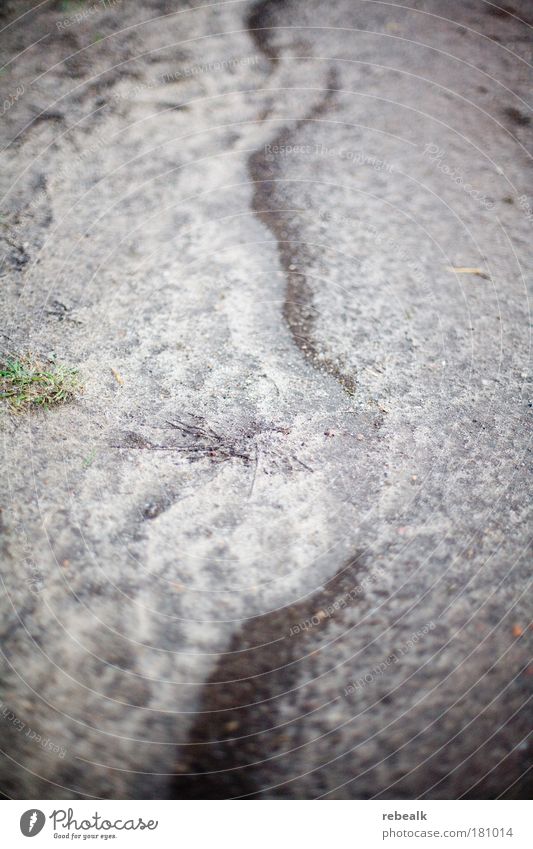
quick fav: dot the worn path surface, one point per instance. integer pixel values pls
(279, 546)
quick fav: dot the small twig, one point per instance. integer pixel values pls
(255, 472)
(309, 469)
(184, 427)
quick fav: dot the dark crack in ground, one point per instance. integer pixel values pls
(259, 22)
(298, 310)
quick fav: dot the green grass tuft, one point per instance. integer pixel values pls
(26, 383)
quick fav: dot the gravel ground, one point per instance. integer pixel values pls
(279, 546)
